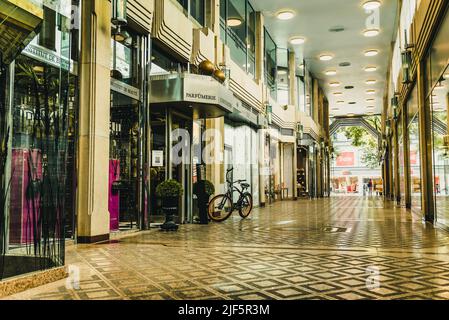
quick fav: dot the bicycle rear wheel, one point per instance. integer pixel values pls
(220, 208)
(247, 206)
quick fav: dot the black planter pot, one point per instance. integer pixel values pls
(170, 208)
(203, 201)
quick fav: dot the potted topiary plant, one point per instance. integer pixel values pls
(169, 191)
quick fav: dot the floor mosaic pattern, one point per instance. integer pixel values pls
(338, 248)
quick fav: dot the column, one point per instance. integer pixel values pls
(93, 149)
(425, 136)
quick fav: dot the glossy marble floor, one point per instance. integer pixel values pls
(337, 248)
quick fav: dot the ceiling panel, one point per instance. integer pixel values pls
(313, 20)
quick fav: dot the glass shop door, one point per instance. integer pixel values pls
(181, 167)
(123, 163)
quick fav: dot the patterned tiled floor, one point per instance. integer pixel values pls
(338, 248)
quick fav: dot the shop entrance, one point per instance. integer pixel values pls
(123, 163)
(181, 168)
(173, 129)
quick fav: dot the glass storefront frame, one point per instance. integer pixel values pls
(38, 189)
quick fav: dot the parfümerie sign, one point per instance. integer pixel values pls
(202, 90)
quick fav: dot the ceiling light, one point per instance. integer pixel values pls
(371, 81)
(340, 102)
(371, 33)
(234, 22)
(335, 109)
(351, 114)
(370, 91)
(297, 40)
(372, 5)
(285, 15)
(370, 100)
(326, 57)
(334, 84)
(370, 107)
(371, 53)
(371, 69)
(331, 73)
(338, 94)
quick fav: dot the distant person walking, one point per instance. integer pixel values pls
(370, 187)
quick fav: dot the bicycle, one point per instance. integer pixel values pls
(222, 206)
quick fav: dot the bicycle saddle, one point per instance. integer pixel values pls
(245, 185)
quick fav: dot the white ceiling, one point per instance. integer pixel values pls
(313, 20)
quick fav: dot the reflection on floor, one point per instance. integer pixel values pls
(338, 248)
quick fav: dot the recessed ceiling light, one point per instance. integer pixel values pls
(340, 102)
(370, 91)
(326, 57)
(371, 53)
(297, 40)
(331, 73)
(371, 81)
(285, 15)
(371, 69)
(370, 100)
(335, 109)
(234, 22)
(372, 5)
(370, 107)
(338, 94)
(334, 84)
(371, 33)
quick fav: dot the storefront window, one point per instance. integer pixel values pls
(414, 150)
(163, 63)
(39, 171)
(196, 9)
(401, 159)
(123, 59)
(238, 31)
(439, 107)
(270, 64)
(283, 84)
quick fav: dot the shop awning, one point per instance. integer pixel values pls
(20, 21)
(206, 97)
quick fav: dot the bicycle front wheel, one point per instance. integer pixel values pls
(220, 208)
(247, 206)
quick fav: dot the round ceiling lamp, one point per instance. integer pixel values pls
(297, 40)
(371, 53)
(285, 15)
(371, 33)
(372, 5)
(234, 22)
(326, 57)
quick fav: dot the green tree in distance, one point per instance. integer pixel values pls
(361, 138)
